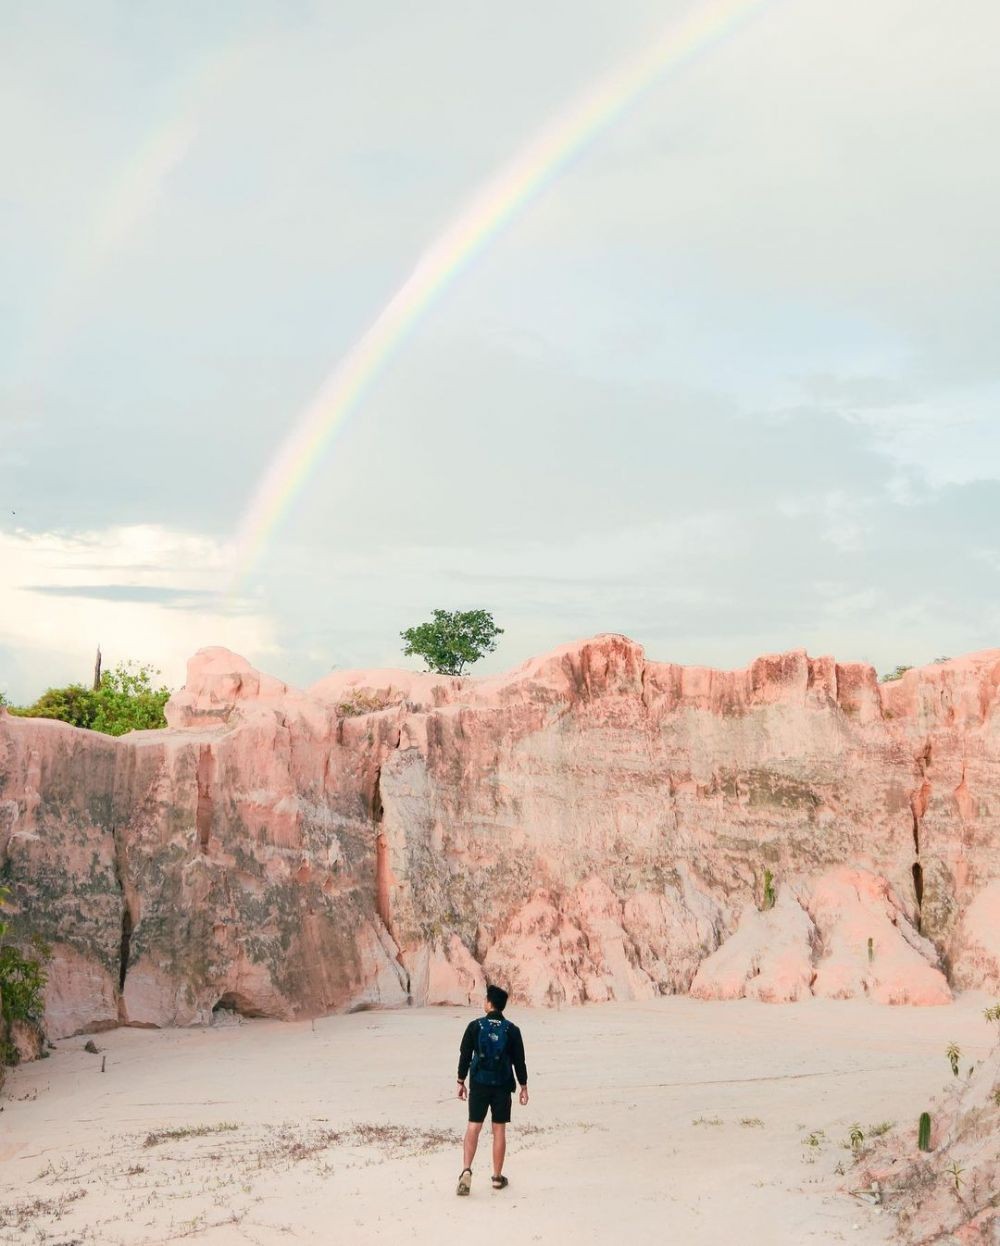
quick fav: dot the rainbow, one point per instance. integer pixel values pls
(128, 199)
(494, 206)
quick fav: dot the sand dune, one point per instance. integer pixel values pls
(679, 1120)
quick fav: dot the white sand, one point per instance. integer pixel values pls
(637, 1130)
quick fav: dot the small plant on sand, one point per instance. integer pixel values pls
(769, 894)
(992, 1014)
(924, 1132)
(22, 1215)
(751, 1122)
(856, 1137)
(954, 1054)
(880, 1128)
(816, 1138)
(708, 1120)
(871, 949)
(955, 1173)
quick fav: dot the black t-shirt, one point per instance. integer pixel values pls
(515, 1050)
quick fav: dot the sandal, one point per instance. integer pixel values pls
(464, 1181)
(500, 1183)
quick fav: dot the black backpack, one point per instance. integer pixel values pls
(490, 1061)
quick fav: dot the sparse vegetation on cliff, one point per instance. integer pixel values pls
(896, 673)
(360, 701)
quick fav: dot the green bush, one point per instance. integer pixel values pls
(22, 983)
(73, 704)
(126, 700)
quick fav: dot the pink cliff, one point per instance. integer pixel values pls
(590, 826)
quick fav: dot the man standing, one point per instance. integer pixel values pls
(492, 1046)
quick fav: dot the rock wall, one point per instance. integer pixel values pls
(589, 826)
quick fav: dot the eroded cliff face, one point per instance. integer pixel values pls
(589, 826)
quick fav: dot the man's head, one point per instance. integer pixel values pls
(496, 999)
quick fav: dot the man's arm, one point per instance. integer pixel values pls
(517, 1058)
(465, 1055)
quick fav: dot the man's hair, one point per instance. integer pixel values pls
(497, 997)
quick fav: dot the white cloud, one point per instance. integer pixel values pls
(64, 593)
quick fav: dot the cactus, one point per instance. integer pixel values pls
(768, 890)
(871, 949)
(924, 1132)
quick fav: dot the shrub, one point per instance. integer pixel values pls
(125, 700)
(358, 701)
(22, 983)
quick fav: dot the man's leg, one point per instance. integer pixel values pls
(472, 1132)
(499, 1147)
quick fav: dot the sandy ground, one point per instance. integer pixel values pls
(678, 1120)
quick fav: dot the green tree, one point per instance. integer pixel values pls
(452, 640)
(126, 700)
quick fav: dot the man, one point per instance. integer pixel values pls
(494, 1050)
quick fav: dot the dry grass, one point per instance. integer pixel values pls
(24, 1214)
(187, 1131)
(361, 702)
(186, 1181)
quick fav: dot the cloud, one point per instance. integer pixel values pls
(730, 384)
(180, 597)
(157, 604)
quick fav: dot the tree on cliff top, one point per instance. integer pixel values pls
(452, 640)
(125, 700)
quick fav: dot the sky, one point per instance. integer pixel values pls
(728, 385)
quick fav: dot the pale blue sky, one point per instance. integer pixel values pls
(730, 385)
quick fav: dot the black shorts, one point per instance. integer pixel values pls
(496, 1098)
